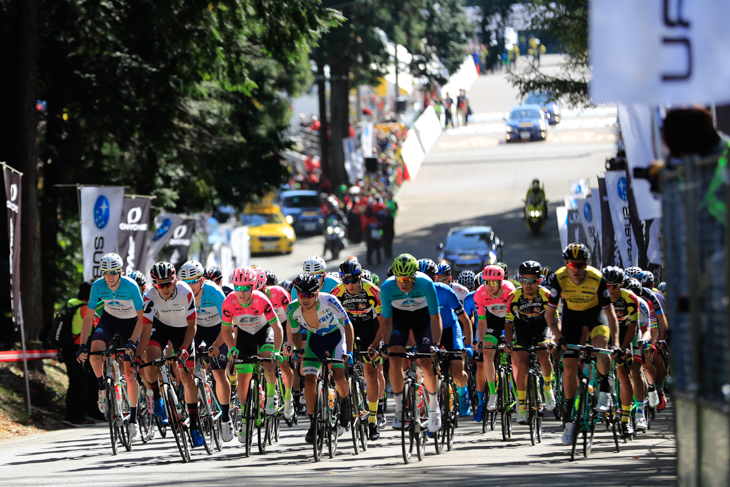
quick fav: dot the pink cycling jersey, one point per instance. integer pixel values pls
(280, 299)
(252, 318)
(498, 306)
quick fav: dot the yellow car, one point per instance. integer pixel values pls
(268, 230)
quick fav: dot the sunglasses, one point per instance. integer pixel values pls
(307, 295)
(533, 280)
(493, 283)
(111, 273)
(192, 282)
(350, 281)
(163, 285)
(613, 286)
(576, 265)
(404, 279)
(243, 289)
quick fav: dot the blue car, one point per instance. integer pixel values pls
(302, 210)
(548, 105)
(526, 122)
(470, 248)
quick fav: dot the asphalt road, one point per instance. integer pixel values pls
(470, 177)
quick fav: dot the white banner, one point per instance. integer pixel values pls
(656, 238)
(595, 200)
(165, 225)
(412, 154)
(428, 126)
(366, 139)
(101, 210)
(638, 136)
(617, 190)
(240, 246)
(659, 51)
(579, 188)
(355, 171)
(227, 264)
(561, 216)
(590, 226)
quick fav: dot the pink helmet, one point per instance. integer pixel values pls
(493, 273)
(246, 276)
(260, 283)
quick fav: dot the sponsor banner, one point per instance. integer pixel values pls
(176, 250)
(665, 52)
(561, 216)
(637, 132)
(227, 264)
(165, 224)
(101, 211)
(132, 238)
(579, 188)
(240, 246)
(428, 126)
(353, 165)
(617, 190)
(654, 252)
(575, 227)
(13, 188)
(589, 220)
(366, 139)
(18, 355)
(609, 252)
(412, 154)
(640, 228)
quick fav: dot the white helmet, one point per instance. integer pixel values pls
(315, 265)
(111, 262)
(191, 269)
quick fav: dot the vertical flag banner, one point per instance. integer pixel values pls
(656, 236)
(617, 190)
(575, 227)
(101, 210)
(561, 216)
(132, 238)
(165, 223)
(590, 227)
(608, 237)
(12, 202)
(579, 188)
(176, 250)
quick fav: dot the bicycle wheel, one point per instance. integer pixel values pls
(408, 423)
(319, 421)
(354, 416)
(162, 428)
(362, 407)
(503, 406)
(615, 427)
(176, 424)
(532, 408)
(448, 425)
(205, 418)
(419, 416)
(251, 414)
(333, 416)
(589, 431)
(558, 393)
(111, 401)
(439, 439)
(215, 416)
(580, 406)
(123, 418)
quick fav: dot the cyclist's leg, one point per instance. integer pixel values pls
(398, 341)
(600, 333)
(461, 379)
(265, 338)
(573, 335)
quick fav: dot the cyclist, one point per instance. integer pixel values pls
(586, 307)
(456, 331)
(280, 299)
(410, 303)
(329, 331)
(141, 281)
(525, 321)
(361, 301)
(170, 315)
(492, 302)
(258, 332)
(208, 304)
(444, 276)
(316, 265)
(121, 302)
(215, 275)
(504, 267)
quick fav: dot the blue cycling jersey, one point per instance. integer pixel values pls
(122, 303)
(449, 304)
(469, 307)
(329, 284)
(209, 312)
(421, 299)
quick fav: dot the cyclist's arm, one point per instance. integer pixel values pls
(190, 332)
(612, 324)
(138, 328)
(551, 316)
(436, 328)
(630, 333)
(466, 329)
(86, 325)
(387, 329)
(227, 334)
(379, 336)
(349, 336)
(663, 326)
(278, 332)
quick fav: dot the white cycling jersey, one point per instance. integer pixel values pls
(174, 311)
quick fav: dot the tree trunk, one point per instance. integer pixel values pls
(340, 112)
(324, 143)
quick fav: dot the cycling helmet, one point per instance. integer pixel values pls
(214, 274)
(634, 271)
(271, 278)
(478, 280)
(466, 279)
(504, 267)
(632, 285)
(530, 267)
(314, 265)
(367, 275)
(493, 273)
(351, 269)
(613, 274)
(191, 270)
(333, 275)
(306, 283)
(162, 272)
(376, 278)
(662, 287)
(444, 269)
(535, 184)
(546, 271)
(111, 262)
(260, 283)
(647, 279)
(576, 251)
(405, 265)
(247, 276)
(428, 267)
(287, 285)
(138, 278)
(389, 273)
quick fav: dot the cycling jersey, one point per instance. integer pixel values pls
(122, 303)
(210, 308)
(363, 306)
(469, 307)
(528, 317)
(493, 309)
(174, 311)
(329, 284)
(410, 311)
(251, 318)
(649, 296)
(280, 299)
(661, 298)
(627, 308)
(449, 305)
(332, 316)
(461, 291)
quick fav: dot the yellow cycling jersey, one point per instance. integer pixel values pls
(627, 308)
(524, 310)
(589, 294)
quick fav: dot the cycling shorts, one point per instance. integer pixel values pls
(574, 322)
(318, 346)
(109, 326)
(495, 329)
(208, 335)
(365, 332)
(531, 334)
(249, 345)
(162, 333)
(421, 334)
(452, 339)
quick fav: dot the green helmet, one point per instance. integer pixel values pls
(405, 265)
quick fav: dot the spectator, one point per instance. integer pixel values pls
(462, 107)
(448, 102)
(374, 237)
(388, 227)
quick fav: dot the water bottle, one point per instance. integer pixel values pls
(451, 397)
(332, 398)
(419, 397)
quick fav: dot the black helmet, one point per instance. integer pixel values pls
(287, 285)
(662, 287)
(613, 274)
(504, 268)
(162, 272)
(444, 269)
(138, 278)
(350, 269)
(632, 285)
(428, 267)
(466, 279)
(634, 271)
(576, 251)
(389, 273)
(478, 280)
(647, 279)
(530, 267)
(214, 274)
(306, 283)
(271, 278)
(546, 271)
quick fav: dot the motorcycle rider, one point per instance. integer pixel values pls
(535, 195)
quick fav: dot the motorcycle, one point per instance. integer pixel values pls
(535, 214)
(334, 237)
